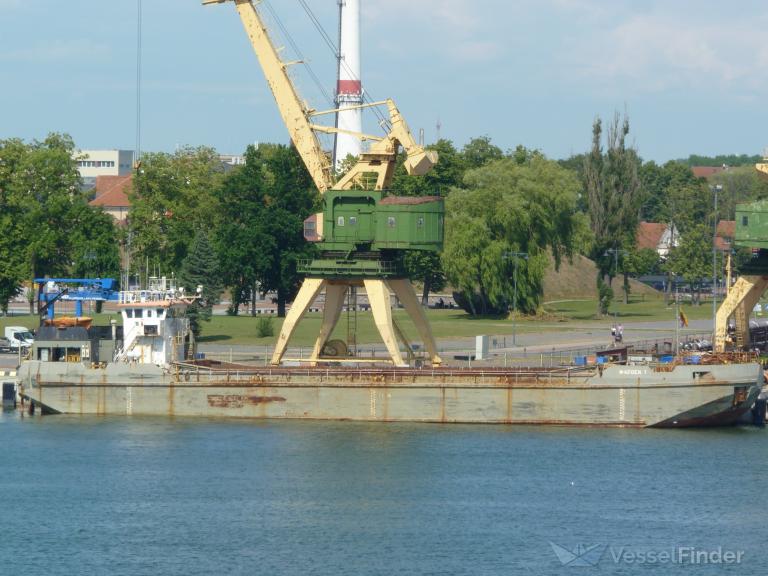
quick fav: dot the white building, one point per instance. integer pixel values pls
(93, 163)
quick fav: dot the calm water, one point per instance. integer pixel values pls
(83, 496)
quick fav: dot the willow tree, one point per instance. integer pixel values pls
(522, 204)
(614, 197)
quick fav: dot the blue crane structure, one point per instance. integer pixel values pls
(77, 290)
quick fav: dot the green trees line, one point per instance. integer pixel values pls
(47, 227)
(241, 227)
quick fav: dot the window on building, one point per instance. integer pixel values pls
(340, 221)
(139, 313)
(745, 220)
(353, 220)
(420, 222)
(391, 222)
(129, 313)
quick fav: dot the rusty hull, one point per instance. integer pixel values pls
(616, 395)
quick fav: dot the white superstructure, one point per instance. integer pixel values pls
(349, 90)
(154, 326)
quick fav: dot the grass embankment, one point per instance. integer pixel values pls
(446, 324)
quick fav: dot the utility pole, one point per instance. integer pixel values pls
(615, 252)
(516, 256)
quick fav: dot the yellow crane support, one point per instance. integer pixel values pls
(739, 302)
(374, 170)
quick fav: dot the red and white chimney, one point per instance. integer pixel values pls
(349, 91)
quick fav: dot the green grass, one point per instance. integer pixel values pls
(639, 309)
(559, 316)
(445, 324)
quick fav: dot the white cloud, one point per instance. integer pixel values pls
(458, 29)
(663, 50)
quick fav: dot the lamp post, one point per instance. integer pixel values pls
(714, 189)
(615, 252)
(516, 256)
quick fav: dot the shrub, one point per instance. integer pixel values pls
(265, 327)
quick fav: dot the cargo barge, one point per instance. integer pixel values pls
(140, 368)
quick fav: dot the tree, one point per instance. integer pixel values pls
(425, 267)
(246, 251)
(12, 249)
(722, 160)
(638, 262)
(691, 259)
(172, 197)
(479, 152)
(448, 172)
(669, 192)
(613, 190)
(200, 268)
(48, 227)
(739, 185)
(508, 206)
(94, 243)
(260, 236)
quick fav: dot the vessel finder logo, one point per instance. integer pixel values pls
(580, 555)
(591, 555)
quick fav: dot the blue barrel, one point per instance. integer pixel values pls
(666, 359)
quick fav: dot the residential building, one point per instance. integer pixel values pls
(232, 159)
(707, 172)
(112, 195)
(94, 163)
(726, 230)
(657, 236)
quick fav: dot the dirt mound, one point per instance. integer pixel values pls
(577, 279)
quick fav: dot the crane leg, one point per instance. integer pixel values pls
(404, 291)
(378, 296)
(309, 290)
(334, 302)
(742, 297)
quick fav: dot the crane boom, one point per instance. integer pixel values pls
(294, 112)
(379, 161)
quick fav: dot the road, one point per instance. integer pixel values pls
(576, 339)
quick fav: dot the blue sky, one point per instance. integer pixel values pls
(693, 75)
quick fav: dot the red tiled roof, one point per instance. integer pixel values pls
(649, 234)
(726, 228)
(112, 191)
(707, 171)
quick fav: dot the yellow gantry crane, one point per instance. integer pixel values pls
(373, 171)
(749, 288)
